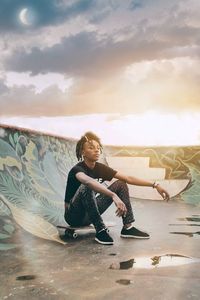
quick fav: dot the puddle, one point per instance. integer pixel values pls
(190, 219)
(124, 281)
(184, 224)
(26, 277)
(167, 260)
(124, 265)
(190, 234)
(193, 218)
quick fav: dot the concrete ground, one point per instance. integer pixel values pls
(83, 269)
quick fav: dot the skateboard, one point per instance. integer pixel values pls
(73, 232)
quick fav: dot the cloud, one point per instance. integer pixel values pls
(45, 12)
(25, 102)
(40, 82)
(85, 55)
(157, 41)
(135, 4)
(74, 55)
(108, 50)
(3, 87)
(164, 85)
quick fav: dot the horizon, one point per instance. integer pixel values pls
(166, 131)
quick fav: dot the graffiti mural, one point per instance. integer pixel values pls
(33, 173)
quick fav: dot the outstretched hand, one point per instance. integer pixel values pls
(121, 207)
(163, 193)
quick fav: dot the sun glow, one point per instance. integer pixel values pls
(156, 129)
(148, 129)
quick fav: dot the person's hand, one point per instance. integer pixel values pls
(121, 207)
(162, 192)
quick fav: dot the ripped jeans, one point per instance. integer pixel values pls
(86, 208)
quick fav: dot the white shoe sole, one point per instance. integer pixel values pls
(134, 237)
(104, 243)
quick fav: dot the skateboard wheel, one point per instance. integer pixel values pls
(75, 235)
(107, 230)
(69, 233)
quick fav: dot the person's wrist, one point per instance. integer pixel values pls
(155, 185)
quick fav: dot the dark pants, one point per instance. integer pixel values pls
(86, 208)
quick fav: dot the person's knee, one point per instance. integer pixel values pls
(122, 184)
(119, 185)
(85, 189)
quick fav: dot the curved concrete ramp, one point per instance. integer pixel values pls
(140, 167)
(34, 168)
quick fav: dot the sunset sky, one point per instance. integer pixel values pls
(128, 70)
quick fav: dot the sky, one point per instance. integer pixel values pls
(128, 70)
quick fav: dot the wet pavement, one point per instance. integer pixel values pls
(167, 266)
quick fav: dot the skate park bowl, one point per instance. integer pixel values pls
(33, 173)
(34, 168)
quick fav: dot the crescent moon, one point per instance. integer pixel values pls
(23, 16)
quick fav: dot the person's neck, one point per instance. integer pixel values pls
(89, 163)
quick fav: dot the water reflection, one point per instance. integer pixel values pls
(190, 234)
(193, 218)
(184, 224)
(124, 265)
(190, 219)
(26, 277)
(167, 260)
(124, 281)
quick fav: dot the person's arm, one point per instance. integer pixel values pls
(140, 182)
(98, 187)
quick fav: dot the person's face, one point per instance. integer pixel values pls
(91, 150)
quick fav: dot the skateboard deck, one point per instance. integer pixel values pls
(73, 232)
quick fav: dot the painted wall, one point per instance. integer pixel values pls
(34, 168)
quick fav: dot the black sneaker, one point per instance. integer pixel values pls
(104, 238)
(134, 233)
